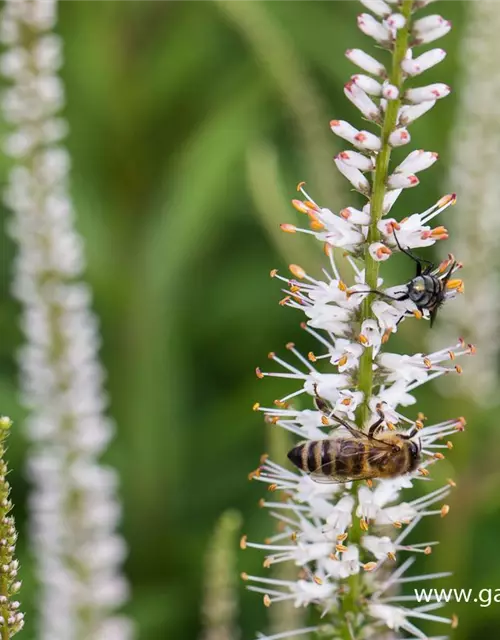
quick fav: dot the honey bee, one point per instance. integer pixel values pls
(358, 455)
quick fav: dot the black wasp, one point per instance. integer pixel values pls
(427, 290)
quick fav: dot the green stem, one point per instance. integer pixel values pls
(365, 381)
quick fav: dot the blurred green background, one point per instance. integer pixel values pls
(191, 124)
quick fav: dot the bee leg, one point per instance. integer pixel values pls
(321, 404)
(409, 436)
(375, 427)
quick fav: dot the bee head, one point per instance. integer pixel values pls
(414, 447)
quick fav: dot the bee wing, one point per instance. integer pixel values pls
(323, 475)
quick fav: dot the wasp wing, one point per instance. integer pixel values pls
(377, 454)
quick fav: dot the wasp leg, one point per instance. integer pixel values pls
(419, 261)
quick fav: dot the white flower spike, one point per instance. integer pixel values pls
(75, 511)
(343, 521)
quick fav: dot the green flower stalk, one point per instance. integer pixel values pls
(220, 606)
(11, 619)
(343, 522)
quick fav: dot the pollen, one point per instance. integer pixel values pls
(267, 601)
(259, 373)
(451, 482)
(419, 424)
(301, 185)
(316, 225)
(369, 483)
(297, 271)
(438, 456)
(272, 487)
(363, 524)
(363, 339)
(369, 566)
(243, 545)
(445, 510)
(311, 357)
(342, 361)
(273, 273)
(458, 369)
(300, 206)
(244, 576)
(383, 251)
(267, 562)
(392, 556)
(449, 198)
(418, 314)
(263, 458)
(288, 228)
(427, 363)
(254, 474)
(454, 621)
(325, 421)
(341, 537)
(455, 284)
(318, 580)
(423, 471)
(284, 301)
(428, 551)
(342, 286)
(341, 548)
(256, 406)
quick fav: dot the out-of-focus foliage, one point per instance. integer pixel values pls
(191, 123)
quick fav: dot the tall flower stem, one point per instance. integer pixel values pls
(365, 382)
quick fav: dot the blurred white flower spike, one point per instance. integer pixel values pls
(74, 508)
(351, 535)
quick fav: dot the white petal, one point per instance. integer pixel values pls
(431, 36)
(399, 137)
(355, 177)
(344, 130)
(379, 252)
(357, 160)
(361, 100)
(402, 181)
(428, 23)
(373, 28)
(367, 140)
(366, 62)
(424, 62)
(355, 216)
(378, 7)
(396, 21)
(390, 198)
(390, 92)
(409, 113)
(416, 161)
(369, 85)
(430, 92)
